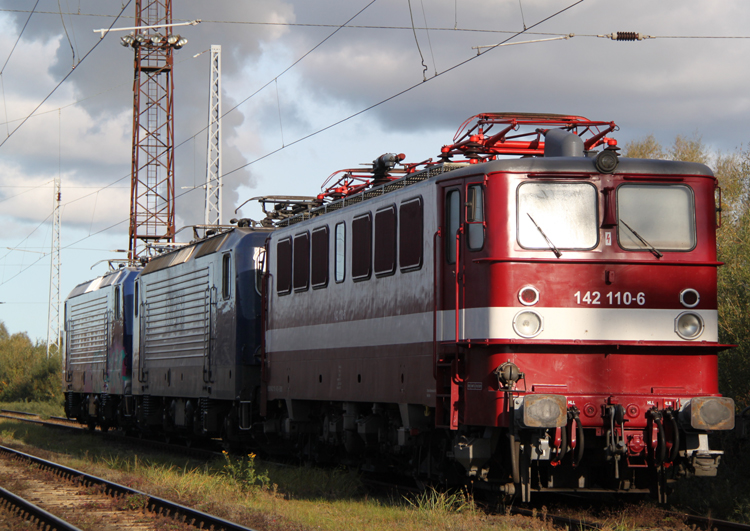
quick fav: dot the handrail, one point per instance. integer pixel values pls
(458, 273)
(435, 254)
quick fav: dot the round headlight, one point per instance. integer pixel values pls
(527, 323)
(688, 325)
(689, 298)
(528, 296)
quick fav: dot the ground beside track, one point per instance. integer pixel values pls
(303, 498)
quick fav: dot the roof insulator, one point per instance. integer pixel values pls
(626, 36)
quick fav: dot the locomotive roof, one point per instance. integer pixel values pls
(549, 166)
(204, 247)
(112, 277)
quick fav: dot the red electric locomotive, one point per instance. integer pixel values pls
(542, 323)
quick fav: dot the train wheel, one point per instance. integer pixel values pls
(91, 425)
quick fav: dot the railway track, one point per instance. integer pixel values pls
(692, 521)
(139, 502)
(66, 424)
(15, 511)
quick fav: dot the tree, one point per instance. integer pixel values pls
(25, 371)
(733, 249)
(648, 148)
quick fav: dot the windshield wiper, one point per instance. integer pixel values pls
(651, 248)
(549, 242)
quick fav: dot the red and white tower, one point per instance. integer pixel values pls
(152, 175)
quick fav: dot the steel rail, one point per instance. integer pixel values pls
(27, 509)
(712, 523)
(19, 413)
(563, 521)
(198, 452)
(153, 503)
(699, 521)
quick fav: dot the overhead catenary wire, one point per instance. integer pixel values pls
(274, 80)
(19, 37)
(408, 89)
(455, 28)
(429, 41)
(334, 124)
(30, 188)
(2, 70)
(421, 57)
(63, 80)
(65, 29)
(230, 110)
(128, 84)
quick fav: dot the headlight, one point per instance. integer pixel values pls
(688, 325)
(689, 298)
(528, 323)
(528, 296)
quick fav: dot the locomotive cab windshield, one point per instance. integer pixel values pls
(560, 215)
(658, 215)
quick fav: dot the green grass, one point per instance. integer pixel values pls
(43, 409)
(263, 495)
(254, 493)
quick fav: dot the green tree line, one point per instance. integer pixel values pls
(733, 246)
(25, 371)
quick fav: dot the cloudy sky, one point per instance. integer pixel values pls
(689, 79)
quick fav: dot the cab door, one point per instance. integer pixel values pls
(463, 232)
(462, 239)
(450, 255)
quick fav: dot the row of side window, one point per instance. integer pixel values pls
(303, 260)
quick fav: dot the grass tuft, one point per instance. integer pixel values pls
(243, 473)
(434, 503)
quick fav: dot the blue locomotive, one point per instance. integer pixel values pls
(173, 346)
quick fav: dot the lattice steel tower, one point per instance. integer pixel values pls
(152, 175)
(213, 157)
(53, 314)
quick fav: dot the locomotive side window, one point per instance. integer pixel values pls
(117, 302)
(225, 276)
(410, 235)
(475, 216)
(340, 251)
(452, 222)
(663, 215)
(284, 266)
(362, 247)
(301, 261)
(385, 241)
(259, 260)
(136, 299)
(319, 261)
(554, 215)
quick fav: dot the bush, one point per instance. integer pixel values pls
(25, 371)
